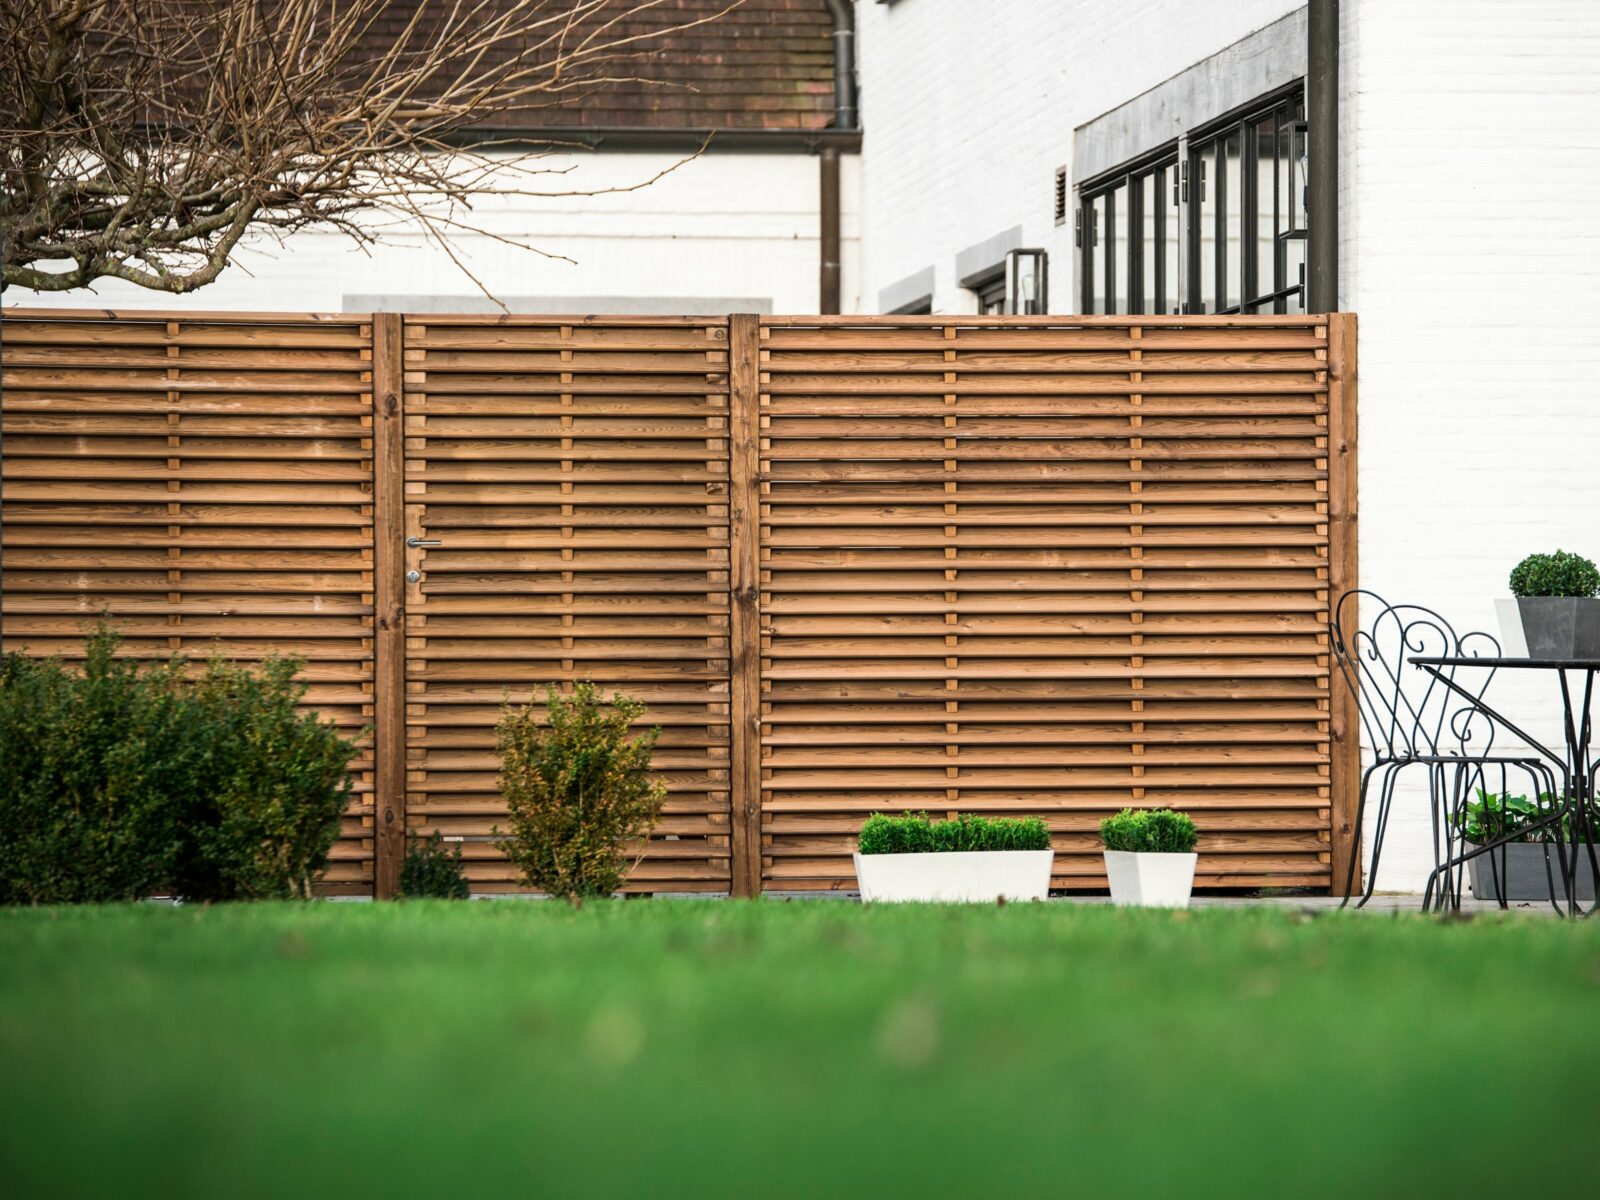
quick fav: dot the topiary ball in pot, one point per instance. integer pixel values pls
(1553, 612)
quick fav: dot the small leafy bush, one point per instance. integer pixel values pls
(1558, 574)
(122, 779)
(1149, 831)
(432, 872)
(274, 781)
(914, 833)
(577, 790)
(1488, 818)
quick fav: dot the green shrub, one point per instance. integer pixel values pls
(1149, 831)
(431, 871)
(577, 791)
(121, 780)
(1558, 574)
(275, 782)
(914, 833)
(89, 764)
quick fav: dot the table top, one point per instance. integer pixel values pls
(1508, 662)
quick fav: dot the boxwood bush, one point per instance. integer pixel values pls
(1558, 574)
(432, 872)
(1149, 831)
(914, 833)
(119, 780)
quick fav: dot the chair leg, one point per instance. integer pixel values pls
(1385, 801)
(1355, 847)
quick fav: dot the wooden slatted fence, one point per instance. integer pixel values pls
(207, 480)
(1002, 565)
(1052, 567)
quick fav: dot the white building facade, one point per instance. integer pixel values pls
(1467, 134)
(724, 231)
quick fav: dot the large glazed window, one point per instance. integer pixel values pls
(1128, 238)
(1247, 225)
(1227, 199)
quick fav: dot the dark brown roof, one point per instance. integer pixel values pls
(764, 65)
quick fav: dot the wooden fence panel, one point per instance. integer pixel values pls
(1017, 565)
(207, 480)
(1052, 566)
(576, 475)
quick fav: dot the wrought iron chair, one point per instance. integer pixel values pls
(1411, 720)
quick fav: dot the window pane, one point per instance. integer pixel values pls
(1149, 199)
(1264, 282)
(1171, 301)
(1228, 199)
(1119, 250)
(1295, 252)
(1094, 261)
(1203, 176)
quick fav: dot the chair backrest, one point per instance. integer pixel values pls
(1405, 711)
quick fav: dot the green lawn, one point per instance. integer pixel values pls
(683, 1048)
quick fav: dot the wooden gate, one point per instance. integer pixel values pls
(1004, 565)
(566, 488)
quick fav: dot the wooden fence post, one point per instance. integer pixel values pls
(1343, 574)
(388, 553)
(744, 580)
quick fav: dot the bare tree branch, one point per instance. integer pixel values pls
(147, 137)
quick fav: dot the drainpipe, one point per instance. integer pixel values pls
(844, 117)
(1322, 116)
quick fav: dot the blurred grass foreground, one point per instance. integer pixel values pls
(691, 1048)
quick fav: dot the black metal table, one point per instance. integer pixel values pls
(1575, 762)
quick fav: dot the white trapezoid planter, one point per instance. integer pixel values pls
(1150, 880)
(967, 876)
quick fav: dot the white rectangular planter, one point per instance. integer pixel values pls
(975, 876)
(1150, 880)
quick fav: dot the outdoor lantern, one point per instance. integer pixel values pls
(1299, 179)
(1027, 284)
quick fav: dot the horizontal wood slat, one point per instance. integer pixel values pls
(209, 484)
(1048, 567)
(576, 475)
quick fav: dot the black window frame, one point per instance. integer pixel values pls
(1096, 242)
(1185, 158)
(991, 289)
(1287, 107)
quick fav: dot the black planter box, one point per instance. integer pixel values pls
(1522, 877)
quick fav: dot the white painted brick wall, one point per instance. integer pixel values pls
(1472, 132)
(722, 225)
(969, 109)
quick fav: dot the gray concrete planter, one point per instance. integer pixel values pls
(1523, 876)
(1550, 626)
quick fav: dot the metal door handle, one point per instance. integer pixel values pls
(418, 542)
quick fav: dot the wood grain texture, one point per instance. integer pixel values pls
(389, 557)
(744, 348)
(576, 475)
(1047, 566)
(206, 480)
(1344, 575)
(1027, 565)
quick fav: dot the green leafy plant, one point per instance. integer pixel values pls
(431, 871)
(89, 763)
(1149, 831)
(578, 791)
(275, 783)
(1558, 574)
(1490, 817)
(120, 779)
(915, 833)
